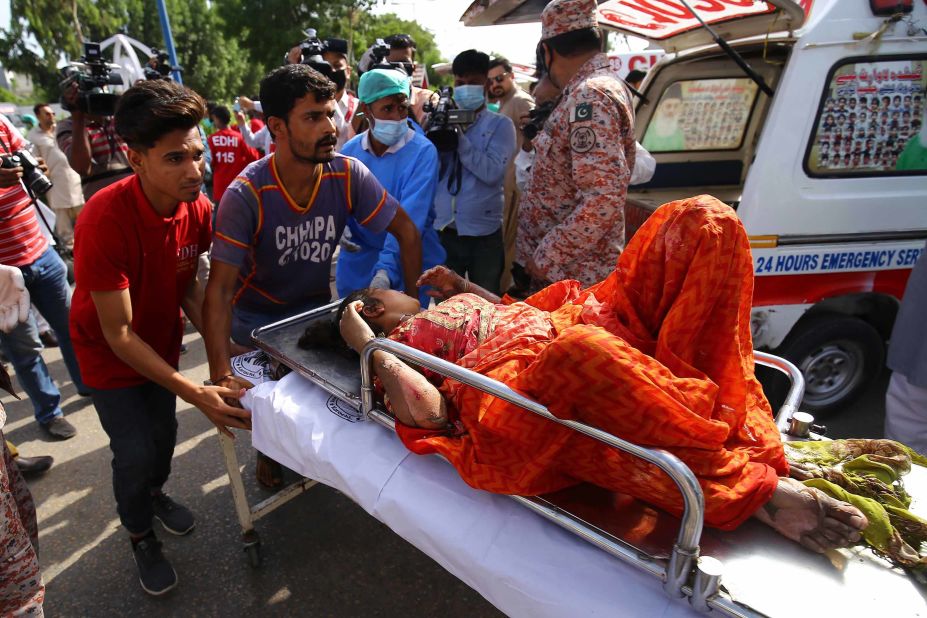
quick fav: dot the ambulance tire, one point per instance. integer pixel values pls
(839, 355)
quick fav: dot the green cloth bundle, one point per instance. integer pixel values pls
(867, 474)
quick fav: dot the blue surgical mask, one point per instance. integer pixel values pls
(389, 132)
(493, 107)
(469, 97)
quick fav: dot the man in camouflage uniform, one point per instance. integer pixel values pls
(571, 216)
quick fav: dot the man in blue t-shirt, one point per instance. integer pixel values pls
(406, 162)
(279, 222)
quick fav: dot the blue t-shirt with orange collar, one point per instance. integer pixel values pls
(284, 250)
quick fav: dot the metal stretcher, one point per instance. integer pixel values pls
(686, 558)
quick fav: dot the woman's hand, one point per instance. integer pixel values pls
(443, 281)
(354, 329)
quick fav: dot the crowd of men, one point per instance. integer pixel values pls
(317, 173)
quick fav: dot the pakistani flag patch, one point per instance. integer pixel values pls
(581, 112)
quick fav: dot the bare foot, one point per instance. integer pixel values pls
(811, 517)
(269, 473)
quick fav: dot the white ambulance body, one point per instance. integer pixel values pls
(834, 234)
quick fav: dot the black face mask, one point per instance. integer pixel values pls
(340, 78)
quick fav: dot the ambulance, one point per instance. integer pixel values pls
(807, 117)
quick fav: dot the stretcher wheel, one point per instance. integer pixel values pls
(254, 555)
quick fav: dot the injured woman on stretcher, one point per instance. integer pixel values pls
(659, 354)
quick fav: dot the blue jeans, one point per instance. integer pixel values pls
(141, 423)
(245, 321)
(47, 282)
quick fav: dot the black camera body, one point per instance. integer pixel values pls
(37, 182)
(380, 51)
(538, 116)
(159, 65)
(311, 51)
(93, 75)
(446, 120)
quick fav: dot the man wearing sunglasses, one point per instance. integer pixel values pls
(514, 103)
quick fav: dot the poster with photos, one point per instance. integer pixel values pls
(872, 120)
(707, 114)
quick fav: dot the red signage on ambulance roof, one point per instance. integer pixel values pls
(662, 19)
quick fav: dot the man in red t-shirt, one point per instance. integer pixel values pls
(230, 154)
(135, 254)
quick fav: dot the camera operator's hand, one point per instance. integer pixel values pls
(246, 103)
(42, 165)
(9, 176)
(70, 98)
(240, 118)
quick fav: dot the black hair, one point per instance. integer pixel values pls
(283, 86)
(635, 75)
(153, 108)
(575, 42)
(38, 106)
(499, 61)
(400, 41)
(326, 334)
(222, 114)
(470, 62)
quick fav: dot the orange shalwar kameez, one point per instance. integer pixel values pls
(659, 353)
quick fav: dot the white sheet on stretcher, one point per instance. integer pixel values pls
(521, 563)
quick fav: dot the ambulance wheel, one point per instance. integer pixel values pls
(839, 355)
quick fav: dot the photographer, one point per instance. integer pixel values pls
(470, 197)
(94, 149)
(402, 50)
(571, 215)
(23, 245)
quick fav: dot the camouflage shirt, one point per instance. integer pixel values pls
(571, 216)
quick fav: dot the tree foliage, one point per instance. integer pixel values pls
(224, 46)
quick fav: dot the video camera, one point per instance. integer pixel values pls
(159, 65)
(379, 52)
(92, 76)
(311, 51)
(445, 120)
(538, 117)
(37, 182)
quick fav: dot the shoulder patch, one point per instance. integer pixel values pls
(582, 139)
(581, 112)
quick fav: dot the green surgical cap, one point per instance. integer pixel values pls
(378, 83)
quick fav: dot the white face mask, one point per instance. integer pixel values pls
(388, 132)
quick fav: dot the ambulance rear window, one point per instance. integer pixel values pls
(704, 114)
(871, 119)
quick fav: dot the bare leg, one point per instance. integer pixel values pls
(811, 517)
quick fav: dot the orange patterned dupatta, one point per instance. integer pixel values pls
(659, 354)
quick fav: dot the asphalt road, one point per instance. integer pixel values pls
(323, 555)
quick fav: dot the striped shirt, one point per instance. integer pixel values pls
(21, 240)
(108, 159)
(284, 249)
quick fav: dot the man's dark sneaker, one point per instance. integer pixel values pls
(49, 339)
(155, 573)
(59, 428)
(34, 465)
(176, 518)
